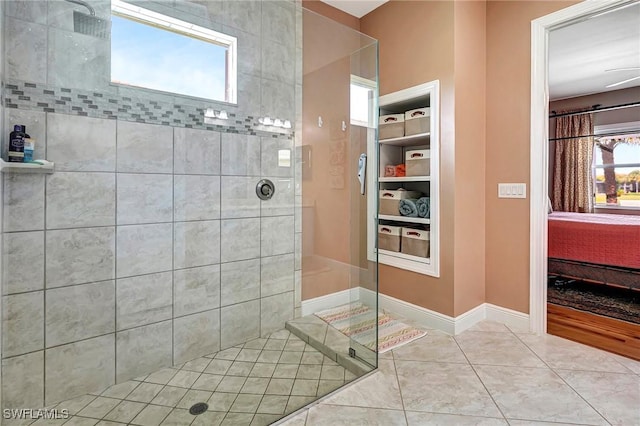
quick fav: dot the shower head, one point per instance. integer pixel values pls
(89, 24)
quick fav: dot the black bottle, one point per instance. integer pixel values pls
(16, 143)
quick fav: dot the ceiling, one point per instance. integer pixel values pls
(580, 54)
(357, 8)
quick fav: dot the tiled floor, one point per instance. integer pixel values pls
(252, 384)
(488, 375)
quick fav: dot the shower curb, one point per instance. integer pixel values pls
(354, 365)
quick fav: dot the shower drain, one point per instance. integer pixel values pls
(198, 408)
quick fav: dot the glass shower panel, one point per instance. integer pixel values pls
(338, 130)
(363, 281)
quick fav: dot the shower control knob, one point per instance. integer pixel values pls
(265, 189)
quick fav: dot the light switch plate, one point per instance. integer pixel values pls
(512, 190)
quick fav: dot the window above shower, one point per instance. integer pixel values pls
(154, 51)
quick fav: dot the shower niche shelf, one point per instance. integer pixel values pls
(392, 152)
(9, 167)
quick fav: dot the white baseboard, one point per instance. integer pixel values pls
(517, 321)
(469, 319)
(423, 316)
(420, 315)
(332, 300)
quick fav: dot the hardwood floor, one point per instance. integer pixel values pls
(620, 337)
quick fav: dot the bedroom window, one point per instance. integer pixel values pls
(616, 171)
(193, 61)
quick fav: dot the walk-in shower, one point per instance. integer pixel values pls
(165, 269)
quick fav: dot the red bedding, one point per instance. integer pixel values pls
(605, 239)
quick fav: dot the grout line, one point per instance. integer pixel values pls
(548, 368)
(395, 370)
(259, 236)
(44, 297)
(548, 421)
(219, 333)
(479, 379)
(115, 263)
(173, 247)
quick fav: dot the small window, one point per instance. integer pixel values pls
(362, 92)
(616, 171)
(155, 51)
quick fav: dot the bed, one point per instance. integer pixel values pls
(602, 248)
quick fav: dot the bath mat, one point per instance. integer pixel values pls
(356, 321)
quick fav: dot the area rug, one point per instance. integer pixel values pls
(357, 321)
(622, 304)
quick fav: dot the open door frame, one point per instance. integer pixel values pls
(539, 179)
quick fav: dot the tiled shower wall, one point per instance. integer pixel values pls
(147, 247)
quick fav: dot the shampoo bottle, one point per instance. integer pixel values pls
(16, 144)
(29, 145)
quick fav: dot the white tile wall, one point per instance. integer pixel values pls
(72, 201)
(148, 245)
(79, 312)
(196, 197)
(195, 335)
(144, 198)
(23, 202)
(240, 323)
(238, 197)
(240, 155)
(196, 243)
(81, 255)
(144, 299)
(77, 143)
(143, 249)
(240, 281)
(239, 238)
(144, 148)
(143, 350)
(80, 367)
(17, 247)
(28, 45)
(23, 380)
(196, 152)
(196, 290)
(23, 323)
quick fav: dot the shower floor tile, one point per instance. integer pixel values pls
(251, 384)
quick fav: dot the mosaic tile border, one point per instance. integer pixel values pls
(114, 106)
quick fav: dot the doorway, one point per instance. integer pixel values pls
(539, 154)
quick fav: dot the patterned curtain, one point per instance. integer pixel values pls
(572, 175)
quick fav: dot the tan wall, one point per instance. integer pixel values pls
(416, 43)
(470, 100)
(507, 153)
(325, 94)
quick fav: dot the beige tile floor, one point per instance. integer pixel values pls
(488, 375)
(256, 383)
